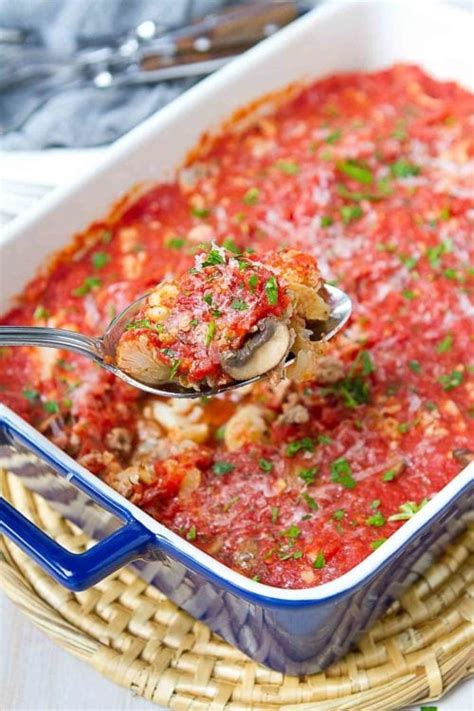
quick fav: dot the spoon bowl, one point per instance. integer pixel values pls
(102, 349)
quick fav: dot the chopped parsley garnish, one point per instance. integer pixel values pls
(341, 473)
(243, 264)
(286, 554)
(326, 220)
(312, 504)
(40, 313)
(354, 391)
(100, 259)
(446, 344)
(409, 262)
(175, 242)
(308, 475)
(30, 394)
(275, 512)
(174, 369)
(358, 196)
(408, 294)
(219, 434)
(211, 332)
(87, 286)
(239, 305)
(366, 363)
(214, 257)
(359, 172)
(207, 298)
(230, 245)
(324, 439)
(292, 531)
(139, 323)
(251, 196)
(319, 561)
(451, 380)
(407, 510)
(376, 544)
(375, 504)
(289, 167)
(434, 254)
(415, 366)
(377, 519)
(51, 406)
(271, 291)
(451, 273)
(334, 136)
(221, 468)
(265, 465)
(201, 212)
(350, 213)
(390, 474)
(191, 534)
(404, 169)
(339, 514)
(306, 444)
(253, 282)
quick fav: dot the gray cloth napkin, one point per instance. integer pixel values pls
(34, 116)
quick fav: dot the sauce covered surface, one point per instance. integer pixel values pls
(290, 484)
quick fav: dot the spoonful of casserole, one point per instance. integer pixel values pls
(228, 321)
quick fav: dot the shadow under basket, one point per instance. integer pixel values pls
(133, 635)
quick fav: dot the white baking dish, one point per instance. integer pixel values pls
(335, 37)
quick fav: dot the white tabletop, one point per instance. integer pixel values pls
(35, 674)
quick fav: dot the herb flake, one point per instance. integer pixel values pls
(221, 468)
(271, 291)
(306, 444)
(341, 473)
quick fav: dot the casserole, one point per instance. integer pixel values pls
(295, 631)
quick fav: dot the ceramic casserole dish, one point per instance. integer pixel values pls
(293, 631)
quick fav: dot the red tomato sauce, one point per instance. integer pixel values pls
(371, 174)
(210, 311)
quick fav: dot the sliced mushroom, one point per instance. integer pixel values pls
(261, 353)
(135, 357)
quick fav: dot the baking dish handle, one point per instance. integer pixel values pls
(76, 571)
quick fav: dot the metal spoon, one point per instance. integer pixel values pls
(102, 349)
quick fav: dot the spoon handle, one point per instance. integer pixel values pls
(87, 346)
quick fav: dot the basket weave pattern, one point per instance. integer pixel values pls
(136, 637)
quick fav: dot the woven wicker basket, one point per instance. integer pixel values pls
(133, 635)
